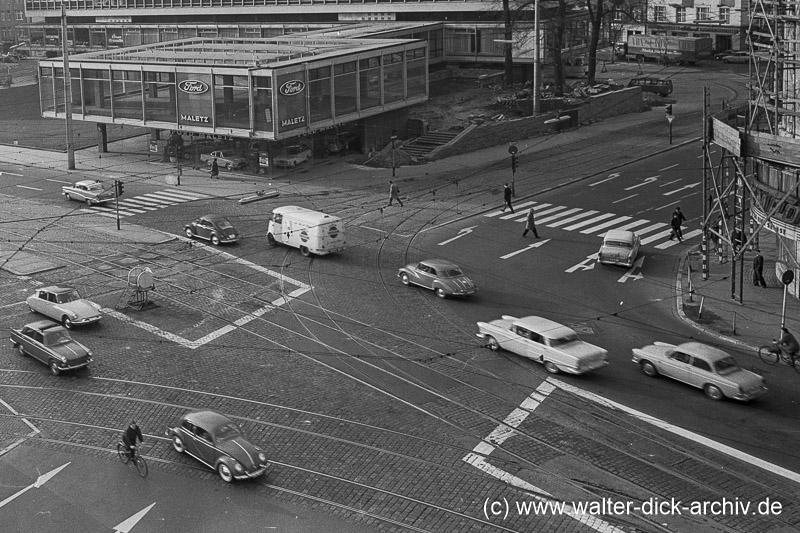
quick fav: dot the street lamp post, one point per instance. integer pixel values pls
(536, 66)
(394, 138)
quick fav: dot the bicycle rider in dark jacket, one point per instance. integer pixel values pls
(129, 436)
(789, 344)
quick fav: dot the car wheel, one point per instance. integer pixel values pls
(21, 349)
(649, 369)
(440, 292)
(713, 392)
(225, 473)
(229, 166)
(67, 322)
(54, 368)
(492, 343)
(177, 443)
(551, 367)
(305, 251)
(215, 240)
(404, 279)
(271, 239)
(189, 233)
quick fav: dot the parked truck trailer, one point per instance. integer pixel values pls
(680, 50)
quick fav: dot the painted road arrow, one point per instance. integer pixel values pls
(128, 524)
(529, 247)
(629, 274)
(682, 188)
(586, 264)
(41, 480)
(645, 182)
(10, 174)
(461, 233)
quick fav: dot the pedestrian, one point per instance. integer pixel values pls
(681, 220)
(214, 169)
(507, 193)
(676, 228)
(530, 224)
(394, 193)
(758, 269)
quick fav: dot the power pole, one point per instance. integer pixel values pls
(67, 90)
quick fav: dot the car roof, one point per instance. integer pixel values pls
(709, 353)
(206, 418)
(619, 235)
(439, 263)
(88, 182)
(44, 324)
(55, 289)
(544, 326)
(213, 218)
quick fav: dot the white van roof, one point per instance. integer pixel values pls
(307, 215)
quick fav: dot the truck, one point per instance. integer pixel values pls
(225, 158)
(312, 232)
(680, 50)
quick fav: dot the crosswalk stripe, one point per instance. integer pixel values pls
(516, 210)
(193, 195)
(668, 244)
(500, 212)
(539, 210)
(123, 206)
(590, 221)
(605, 225)
(659, 235)
(558, 215)
(175, 197)
(571, 219)
(544, 212)
(111, 210)
(143, 205)
(652, 227)
(131, 204)
(631, 225)
(101, 213)
(157, 199)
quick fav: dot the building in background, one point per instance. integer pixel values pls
(12, 18)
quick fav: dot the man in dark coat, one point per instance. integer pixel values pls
(530, 224)
(214, 169)
(676, 228)
(758, 269)
(681, 220)
(507, 193)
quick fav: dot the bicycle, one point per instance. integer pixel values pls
(772, 353)
(125, 456)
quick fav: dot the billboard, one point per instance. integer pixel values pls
(292, 95)
(194, 99)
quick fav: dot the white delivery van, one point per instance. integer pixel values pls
(310, 231)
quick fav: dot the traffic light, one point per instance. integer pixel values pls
(513, 162)
(179, 152)
(120, 187)
(669, 109)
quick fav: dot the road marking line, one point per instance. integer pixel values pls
(652, 227)
(572, 219)
(598, 218)
(545, 220)
(189, 194)
(604, 225)
(156, 198)
(538, 211)
(500, 212)
(34, 430)
(26, 187)
(685, 433)
(630, 225)
(655, 237)
(626, 198)
(140, 204)
(668, 244)
(516, 209)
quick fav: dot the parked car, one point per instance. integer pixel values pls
(719, 55)
(554, 345)
(65, 305)
(214, 228)
(293, 156)
(90, 191)
(217, 442)
(620, 247)
(701, 366)
(652, 84)
(51, 344)
(225, 158)
(443, 277)
(741, 56)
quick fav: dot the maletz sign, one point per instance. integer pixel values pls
(292, 96)
(194, 99)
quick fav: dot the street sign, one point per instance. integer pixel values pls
(670, 118)
(512, 149)
(787, 277)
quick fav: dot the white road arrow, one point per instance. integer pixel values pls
(41, 480)
(126, 525)
(609, 178)
(586, 264)
(529, 247)
(682, 188)
(645, 182)
(461, 233)
(10, 174)
(629, 274)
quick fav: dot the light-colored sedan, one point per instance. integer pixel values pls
(742, 56)
(619, 247)
(701, 366)
(293, 156)
(90, 191)
(442, 277)
(65, 305)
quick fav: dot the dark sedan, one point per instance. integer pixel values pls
(443, 277)
(214, 228)
(217, 442)
(51, 344)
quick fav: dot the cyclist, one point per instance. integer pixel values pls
(789, 344)
(129, 436)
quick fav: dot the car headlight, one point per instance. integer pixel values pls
(262, 457)
(238, 467)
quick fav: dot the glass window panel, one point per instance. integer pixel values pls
(127, 94)
(97, 97)
(319, 93)
(159, 96)
(344, 87)
(232, 106)
(263, 109)
(393, 83)
(370, 83)
(416, 78)
(46, 88)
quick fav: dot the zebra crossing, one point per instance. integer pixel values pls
(591, 222)
(145, 202)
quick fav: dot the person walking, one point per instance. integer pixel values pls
(394, 193)
(214, 169)
(530, 224)
(507, 193)
(676, 228)
(758, 269)
(681, 220)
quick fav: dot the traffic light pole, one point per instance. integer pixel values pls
(116, 200)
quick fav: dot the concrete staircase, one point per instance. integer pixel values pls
(422, 146)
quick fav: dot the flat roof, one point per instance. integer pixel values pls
(266, 52)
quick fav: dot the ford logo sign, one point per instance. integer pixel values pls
(292, 87)
(193, 86)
